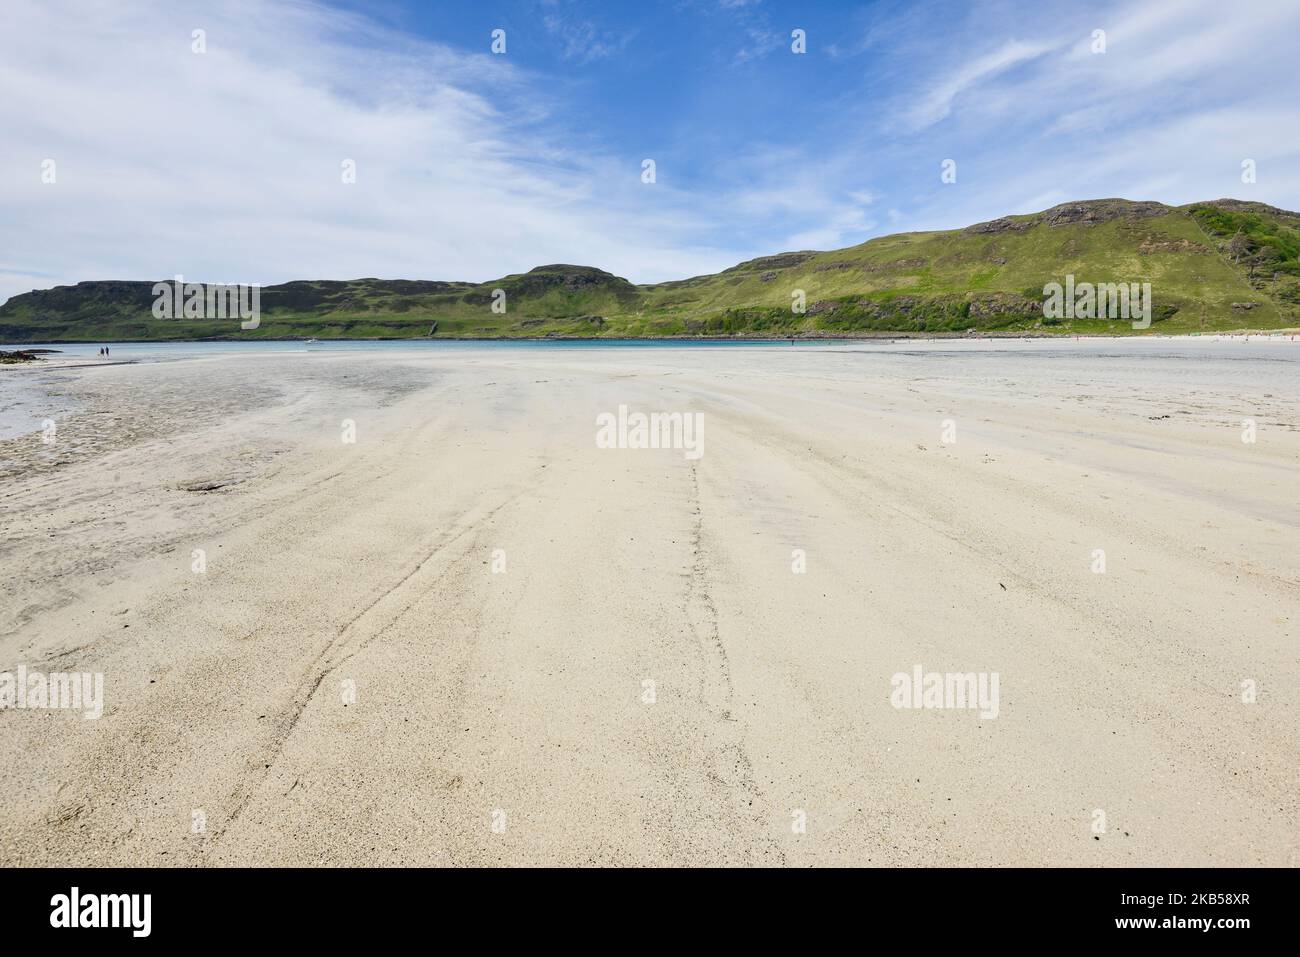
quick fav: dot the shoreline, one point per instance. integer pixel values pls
(1285, 333)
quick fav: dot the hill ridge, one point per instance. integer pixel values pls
(1217, 264)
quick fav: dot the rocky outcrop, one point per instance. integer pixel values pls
(1152, 245)
(1085, 213)
(872, 267)
(1003, 224)
(1003, 304)
(898, 264)
(1249, 206)
(574, 279)
(779, 261)
(1092, 212)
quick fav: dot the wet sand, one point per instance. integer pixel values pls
(432, 645)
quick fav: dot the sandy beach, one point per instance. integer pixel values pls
(396, 606)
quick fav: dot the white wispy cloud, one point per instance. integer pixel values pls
(227, 165)
(582, 38)
(1185, 90)
(937, 102)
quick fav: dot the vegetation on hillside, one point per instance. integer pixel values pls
(1225, 264)
(1262, 240)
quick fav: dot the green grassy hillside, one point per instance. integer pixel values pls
(1218, 265)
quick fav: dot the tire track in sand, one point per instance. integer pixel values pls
(730, 766)
(357, 632)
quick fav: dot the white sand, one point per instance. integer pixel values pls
(372, 563)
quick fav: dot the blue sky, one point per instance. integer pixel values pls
(225, 165)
